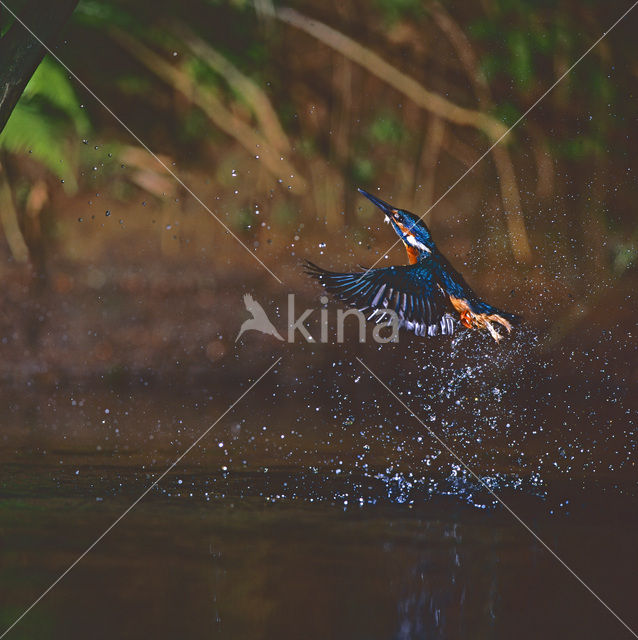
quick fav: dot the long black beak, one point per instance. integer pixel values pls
(384, 206)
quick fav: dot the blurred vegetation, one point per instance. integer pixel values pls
(301, 115)
(47, 122)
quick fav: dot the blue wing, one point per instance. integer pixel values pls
(410, 291)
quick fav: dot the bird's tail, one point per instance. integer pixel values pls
(488, 309)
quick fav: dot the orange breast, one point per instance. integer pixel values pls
(413, 254)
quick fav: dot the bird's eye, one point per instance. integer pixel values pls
(397, 216)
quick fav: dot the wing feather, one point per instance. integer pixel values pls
(410, 291)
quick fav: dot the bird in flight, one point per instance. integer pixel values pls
(259, 320)
(428, 295)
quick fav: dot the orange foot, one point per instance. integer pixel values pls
(466, 319)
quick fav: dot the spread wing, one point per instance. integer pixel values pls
(410, 291)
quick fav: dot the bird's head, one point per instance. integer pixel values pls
(408, 226)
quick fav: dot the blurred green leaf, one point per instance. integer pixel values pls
(483, 29)
(540, 37)
(244, 219)
(28, 132)
(134, 85)
(624, 258)
(362, 170)
(194, 126)
(394, 10)
(307, 147)
(201, 73)
(579, 148)
(51, 83)
(283, 214)
(41, 122)
(491, 65)
(601, 86)
(387, 129)
(520, 58)
(98, 14)
(507, 113)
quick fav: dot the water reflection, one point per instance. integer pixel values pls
(242, 569)
(320, 508)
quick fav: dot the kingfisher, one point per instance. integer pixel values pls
(428, 296)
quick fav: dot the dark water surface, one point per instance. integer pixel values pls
(319, 508)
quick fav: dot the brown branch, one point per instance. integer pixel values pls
(254, 143)
(21, 53)
(544, 163)
(342, 72)
(512, 206)
(340, 140)
(437, 105)
(429, 156)
(254, 96)
(510, 195)
(464, 51)
(147, 173)
(9, 221)
(459, 150)
(428, 100)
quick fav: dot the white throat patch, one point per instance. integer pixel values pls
(412, 241)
